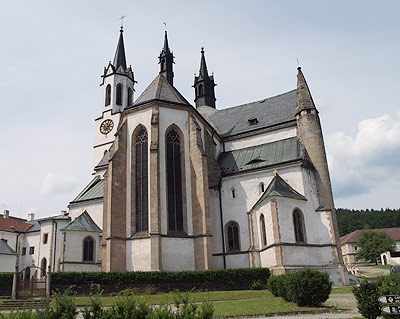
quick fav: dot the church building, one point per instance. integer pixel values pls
(188, 187)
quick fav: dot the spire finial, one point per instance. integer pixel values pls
(165, 26)
(122, 22)
(202, 46)
(275, 172)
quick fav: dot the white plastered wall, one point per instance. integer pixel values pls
(7, 263)
(138, 254)
(177, 254)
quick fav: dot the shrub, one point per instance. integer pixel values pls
(367, 295)
(258, 284)
(304, 287)
(308, 287)
(231, 278)
(276, 285)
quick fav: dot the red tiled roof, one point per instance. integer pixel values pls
(353, 237)
(13, 226)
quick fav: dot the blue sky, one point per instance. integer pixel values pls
(54, 52)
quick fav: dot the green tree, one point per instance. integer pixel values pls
(372, 244)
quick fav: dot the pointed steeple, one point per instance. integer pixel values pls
(120, 59)
(166, 61)
(204, 85)
(304, 100)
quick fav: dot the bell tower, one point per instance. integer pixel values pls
(204, 85)
(118, 89)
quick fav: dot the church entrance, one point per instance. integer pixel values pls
(32, 282)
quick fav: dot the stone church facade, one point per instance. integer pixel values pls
(182, 187)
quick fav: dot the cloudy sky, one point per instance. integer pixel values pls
(53, 53)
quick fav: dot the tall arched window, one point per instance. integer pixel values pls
(262, 187)
(43, 266)
(130, 97)
(88, 246)
(232, 236)
(108, 95)
(174, 181)
(141, 180)
(298, 224)
(119, 95)
(263, 231)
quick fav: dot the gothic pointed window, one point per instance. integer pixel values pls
(201, 89)
(232, 236)
(88, 246)
(298, 224)
(108, 95)
(262, 187)
(141, 179)
(174, 181)
(263, 231)
(130, 97)
(119, 95)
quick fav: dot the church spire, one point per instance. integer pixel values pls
(120, 59)
(304, 100)
(166, 61)
(204, 85)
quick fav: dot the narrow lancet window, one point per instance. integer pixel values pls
(88, 249)
(174, 181)
(119, 95)
(232, 235)
(263, 231)
(141, 178)
(298, 226)
(108, 95)
(130, 97)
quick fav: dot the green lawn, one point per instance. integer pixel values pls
(342, 290)
(194, 297)
(383, 267)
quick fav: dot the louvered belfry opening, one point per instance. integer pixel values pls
(174, 181)
(141, 178)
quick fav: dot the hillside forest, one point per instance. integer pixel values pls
(350, 220)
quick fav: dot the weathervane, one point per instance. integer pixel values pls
(165, 26)
(298, 63)
(122, 21)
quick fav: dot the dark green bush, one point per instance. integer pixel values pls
(308, 287)
(6, 278)
(276, 286)
(367, 294)
(304, 287)
(232, 277)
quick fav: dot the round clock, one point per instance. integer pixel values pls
(107, 126)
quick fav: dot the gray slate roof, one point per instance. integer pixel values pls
(82, 223)
(160, 90)
(35, 226)
(94, 190)
(104, 161)
(5, 249)
(278, 187)
(268, 112)
(260, 156)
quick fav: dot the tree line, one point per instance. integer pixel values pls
(350, 220)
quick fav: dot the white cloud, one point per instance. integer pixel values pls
(369, 160)
(57, 183)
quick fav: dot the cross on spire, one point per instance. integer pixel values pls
(122, 21)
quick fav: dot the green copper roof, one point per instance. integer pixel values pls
(260, 156)
(278, 187)
(82, 223)
(94, 190)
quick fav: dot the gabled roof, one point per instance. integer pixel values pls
(5, 249)
(13, 226)
(94, 190)
(82, 223)
(103, 162)
(260, 156)
(161, 91)
(354, 236)
(278, 187)
(268, 112)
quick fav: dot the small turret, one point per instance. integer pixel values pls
(310, 135)
(166, 61)
(204, 85)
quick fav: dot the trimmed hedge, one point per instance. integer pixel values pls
(304, 287)
(241, 278)
(6, 279)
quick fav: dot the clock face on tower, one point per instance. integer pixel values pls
(106, 127)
